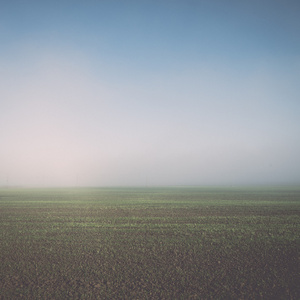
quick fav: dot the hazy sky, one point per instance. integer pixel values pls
(149, 92)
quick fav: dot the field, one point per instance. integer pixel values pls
(150, 243)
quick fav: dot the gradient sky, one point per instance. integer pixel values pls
(97, 93)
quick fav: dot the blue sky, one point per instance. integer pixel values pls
(149, 92)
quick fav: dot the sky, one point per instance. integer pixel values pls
(142, 93)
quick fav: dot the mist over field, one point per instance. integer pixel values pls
(98, 93)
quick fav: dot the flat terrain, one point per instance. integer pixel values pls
(150, 243)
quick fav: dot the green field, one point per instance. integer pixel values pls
(150, 243)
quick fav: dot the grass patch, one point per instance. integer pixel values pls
(150, 243)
